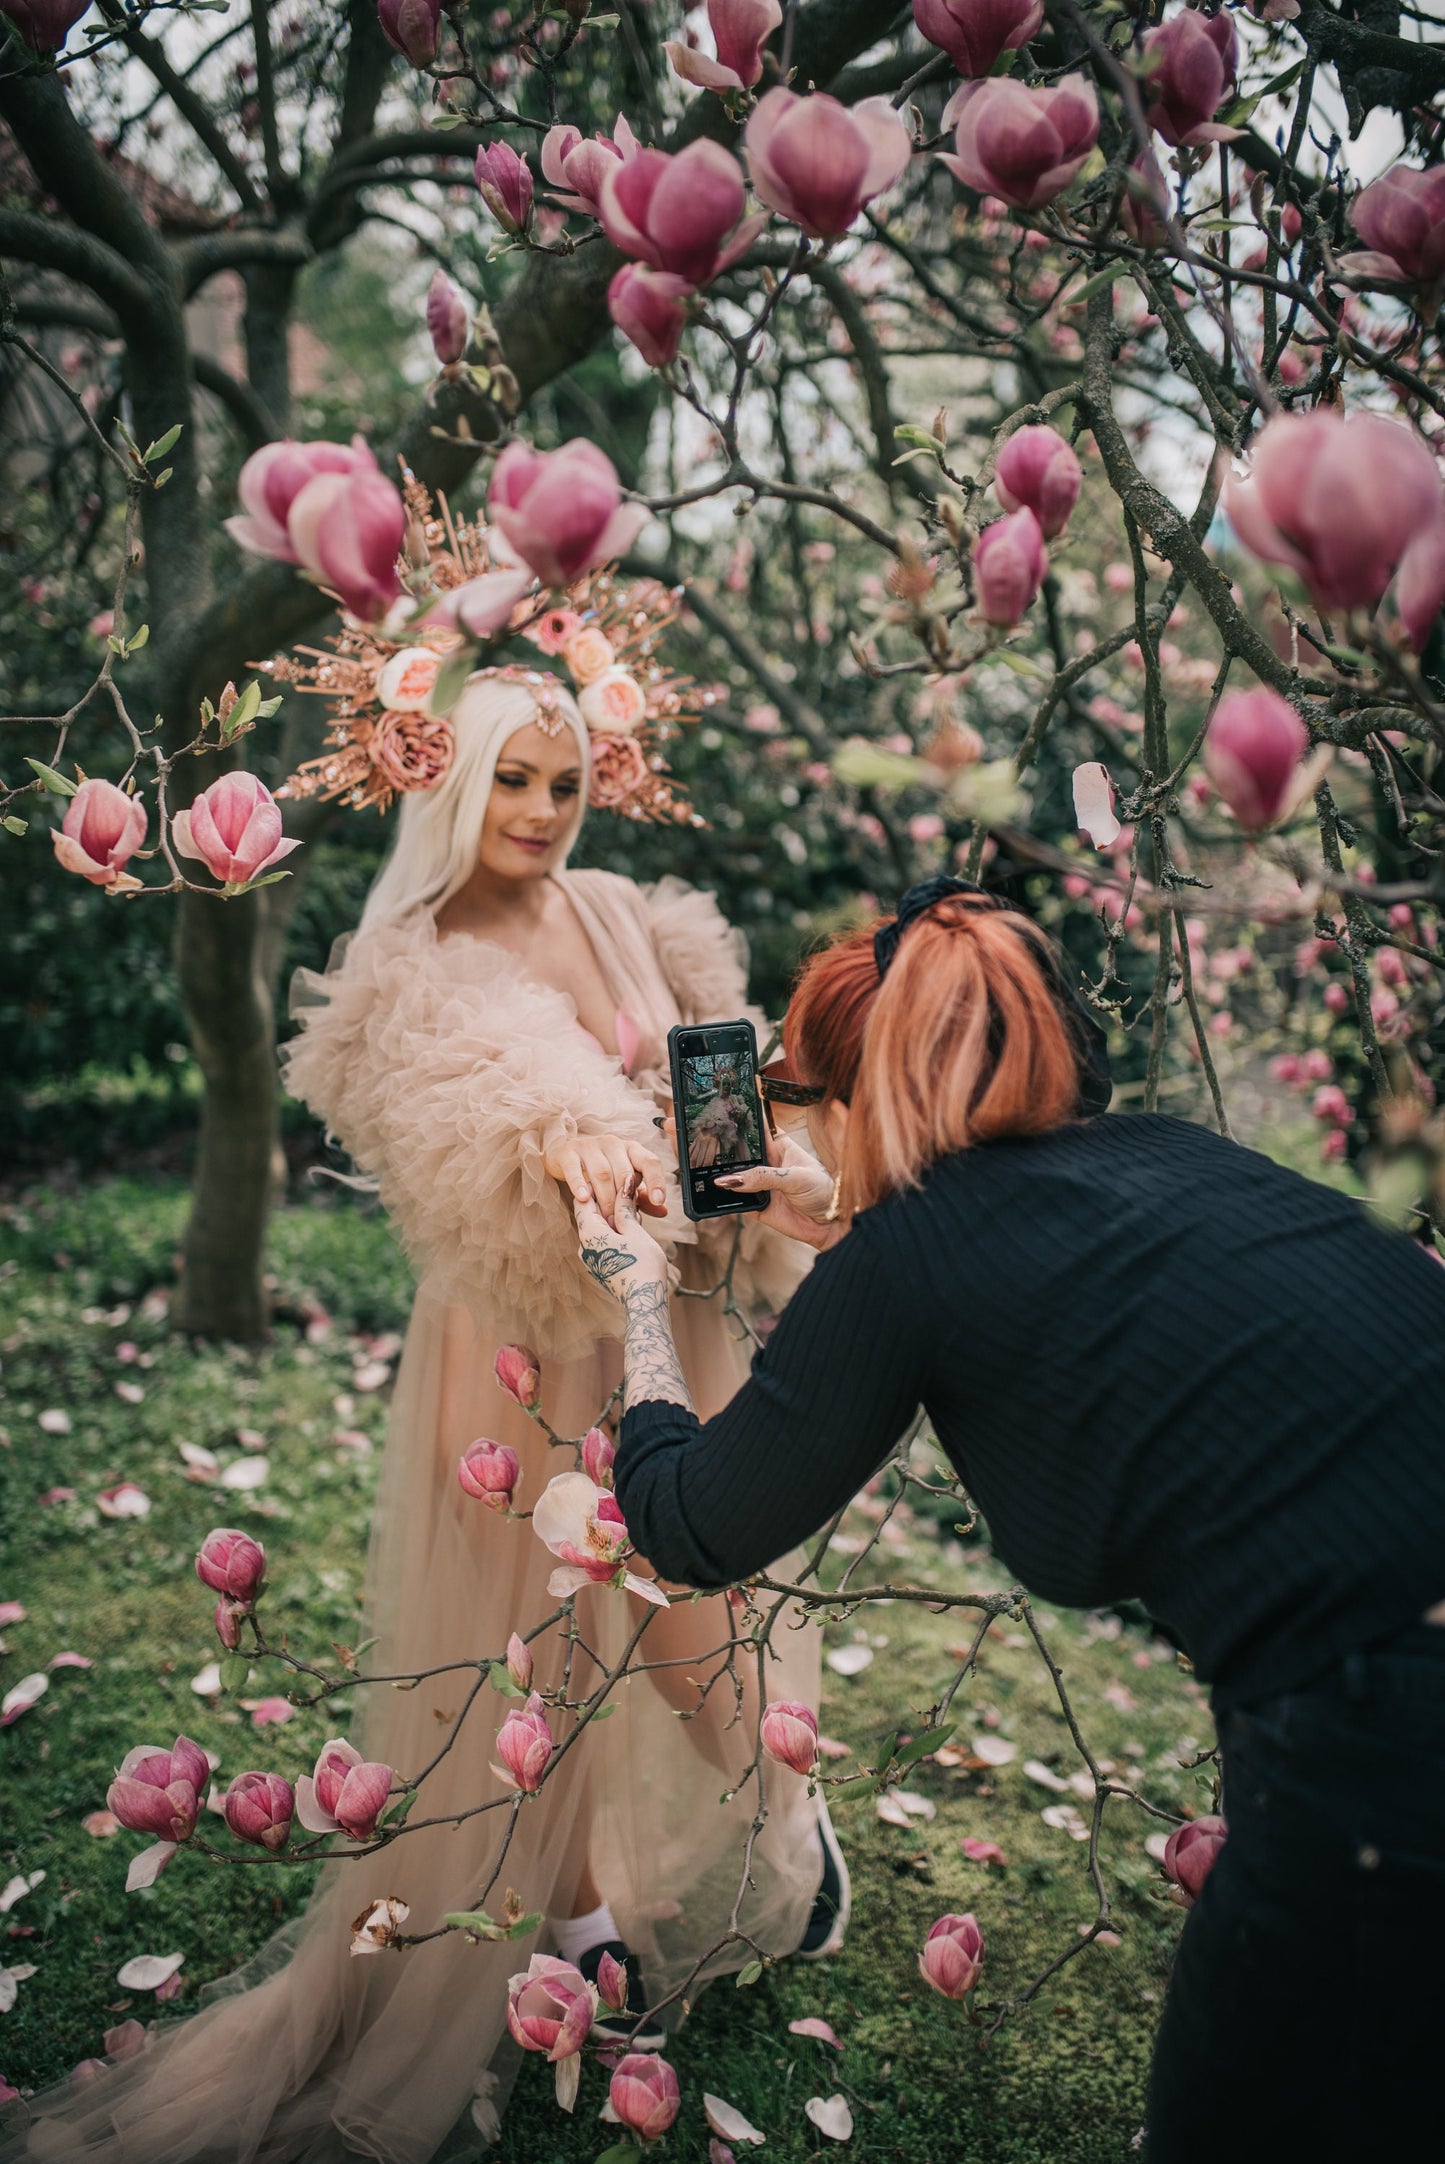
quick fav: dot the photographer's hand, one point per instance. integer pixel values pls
(629, 1262)
(800, 1193)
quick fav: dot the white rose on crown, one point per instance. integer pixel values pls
(614, 705)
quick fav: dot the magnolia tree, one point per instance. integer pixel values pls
(1046, 409)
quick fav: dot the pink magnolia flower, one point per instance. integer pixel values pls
(159, 1792)
(1401, 220)
(644, 2094)
(612, 1983)
(584, 1525)
(347, 530)
(412, 28)
(271, 480)
(519, 1662)
(1036, 467)
(232, 1563)
(1020, 144)
(1009, 562)
(817, 162)
(126, 2040)
(259, 1808)
(577, 165)
(740, 29)
(99, 834)
(234, 828)
(952, 1956)
(974, 32)
(519, 1372)
(1189, 65)
(1331, 1106)
(45, 24)
(1253, 754)
(344, 1793)
(490, 1472)
(448, 319)
(649, 307)
(1144, 210)
(598, 1452)
(525, 1745)
(505, 182)
(682, 214)
(789, 1733)
(551, 2007)
(1345, 502)
(562, 511)
(1190, 1854)
(228, 1614)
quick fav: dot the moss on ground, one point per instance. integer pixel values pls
(80, 1279)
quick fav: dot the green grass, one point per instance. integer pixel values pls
(1062, 2083)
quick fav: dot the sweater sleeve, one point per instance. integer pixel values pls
(830, 1394)
(448, 1075)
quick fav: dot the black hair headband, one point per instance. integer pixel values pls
(1091, 1057)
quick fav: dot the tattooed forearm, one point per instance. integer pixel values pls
(653, 1370)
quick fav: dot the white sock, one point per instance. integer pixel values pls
(574, 1934)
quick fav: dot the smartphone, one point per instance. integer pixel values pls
(719, 1113)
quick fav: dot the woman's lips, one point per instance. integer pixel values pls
(533, 847)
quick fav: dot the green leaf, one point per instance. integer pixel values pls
(268, 707)
(365, 1647)
(443, 120)
(235, 1668)
(399, 1814)
(922, 437)
(451, 677)
(748, 1975)
(476, 1923)
(245, 710)
(1021, 664)
(603, 22)
(267, 879)
(164, 443)
(524, 1926)
(13, 825)
(138, 639)
(56, 784)
(1091, 286)
(162, 478)
(922, 1745)
(500, 1680)
(621, 2152)
(868, 766)
(1242, 111)
(604, 1712)
(850, 1791)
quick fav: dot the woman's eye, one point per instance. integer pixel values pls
(565, 788)
(512, 781)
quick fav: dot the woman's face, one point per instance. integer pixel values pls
(532, 804)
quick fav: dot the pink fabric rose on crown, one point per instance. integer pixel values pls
(619, 766)
(614, 705)
(588, 653)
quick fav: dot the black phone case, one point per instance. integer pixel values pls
(734, 1205)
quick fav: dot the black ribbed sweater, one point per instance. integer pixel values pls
(1164, 1367)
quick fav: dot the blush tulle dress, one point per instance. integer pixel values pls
(447, 1072)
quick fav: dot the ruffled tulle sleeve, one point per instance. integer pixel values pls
(448, 1075)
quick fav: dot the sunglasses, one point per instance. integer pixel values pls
(777, 1087)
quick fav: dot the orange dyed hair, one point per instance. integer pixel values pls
(961, 1042)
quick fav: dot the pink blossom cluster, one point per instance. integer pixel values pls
(328, 508)
(1037, 478)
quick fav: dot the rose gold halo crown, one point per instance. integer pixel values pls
(393, 686)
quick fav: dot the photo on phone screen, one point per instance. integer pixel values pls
(719, 1113)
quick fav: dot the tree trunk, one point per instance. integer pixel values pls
(228, 1008)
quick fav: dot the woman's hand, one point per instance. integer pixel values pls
(799, 1191)
(599, 1168)
(622, 1256)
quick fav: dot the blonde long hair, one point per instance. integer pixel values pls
(435, 849)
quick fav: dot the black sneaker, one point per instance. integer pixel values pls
(828, 1924)
(621, 2027)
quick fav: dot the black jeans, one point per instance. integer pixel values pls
(1305, 2019)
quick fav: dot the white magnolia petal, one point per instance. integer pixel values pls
(569, 2074)
(814, 2025)
(147, 1972)
(22, 1696)
(647, 1587)
(727, 2122)
(313, 1815)
(994, 1750)
(1094, 803)
(208, 1683)
(147, 1867)
(8, 1990)
(849, 1660)
(563, 1510)
(567, 1578)
(17, 1889)
(1045, 1776)
(246, 1473)
(831, 2116)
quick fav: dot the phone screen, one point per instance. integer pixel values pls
(720, 1113)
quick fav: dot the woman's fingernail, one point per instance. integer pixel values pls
(659, 1194)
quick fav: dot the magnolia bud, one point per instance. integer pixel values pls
(612, 1983)
(597, 1456)
(519, 1372)
(519, 1662)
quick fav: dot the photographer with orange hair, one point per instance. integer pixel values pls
(1165, 1368)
